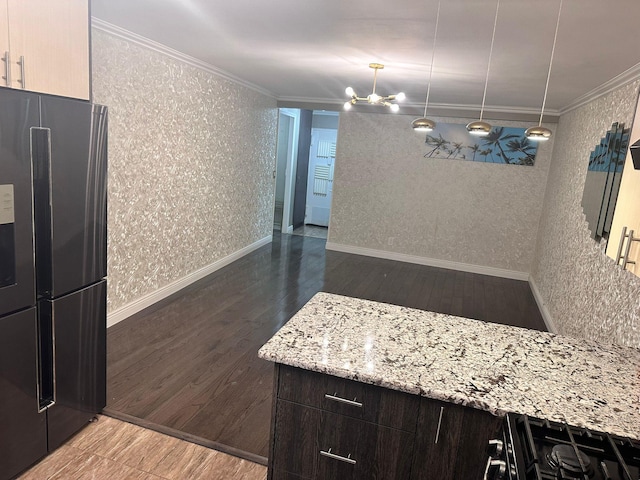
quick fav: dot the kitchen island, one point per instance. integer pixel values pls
(483, 366)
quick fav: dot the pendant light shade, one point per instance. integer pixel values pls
(539, 132)
(423, 124)
(479, 127)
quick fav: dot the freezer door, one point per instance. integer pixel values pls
(71, 238)
(18, 112)
(79, 354)
(23, 434)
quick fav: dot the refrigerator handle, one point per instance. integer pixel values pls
(43, 227)
(41, 164)
(46, 357)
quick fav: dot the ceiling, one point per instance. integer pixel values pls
(303, 51)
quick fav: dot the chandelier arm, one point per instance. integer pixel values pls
(553, 49)
(433, 54)
(486, 81)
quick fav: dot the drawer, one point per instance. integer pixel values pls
(351, 449)
(348, 397)
(315, 444)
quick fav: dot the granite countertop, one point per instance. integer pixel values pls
(484, 365)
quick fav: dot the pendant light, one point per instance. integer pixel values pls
(479, 127)
(540, 133)
(373, 98)
(424, 124)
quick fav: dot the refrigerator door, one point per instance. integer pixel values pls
(80, 369)
(18, 112)
(23, 434)
(71, 168)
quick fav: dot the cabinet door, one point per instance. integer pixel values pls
(295, 441)
(53, 39)
(4, 43)
(452, 442)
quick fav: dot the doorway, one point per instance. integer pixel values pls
(304, 171)
(286, 156)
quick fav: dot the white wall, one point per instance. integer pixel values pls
(583, 291)
(191, 157)
(390, 199)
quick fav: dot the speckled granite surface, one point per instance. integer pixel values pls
(483, 365)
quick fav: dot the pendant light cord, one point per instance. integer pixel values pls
(553, 49)
(486, 80)
(433, 54)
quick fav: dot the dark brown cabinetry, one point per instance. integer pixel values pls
(453, 441)
(326, 427)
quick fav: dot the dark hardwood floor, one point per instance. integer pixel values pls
(189, 367)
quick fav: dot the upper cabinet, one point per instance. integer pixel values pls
(47, 49)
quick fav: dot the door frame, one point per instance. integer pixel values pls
(290, 169)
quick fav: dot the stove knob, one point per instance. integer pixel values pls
(497, 470)
(496, 447)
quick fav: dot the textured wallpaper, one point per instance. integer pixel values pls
(586, 294)
(388, 197)
(191, 157)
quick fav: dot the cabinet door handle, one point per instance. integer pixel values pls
(439, 425)
(7, 69)
(22, 80)
(346, 459)
(333, 397)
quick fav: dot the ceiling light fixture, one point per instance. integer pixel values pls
(539, 132)
(424, 124)
(373, 98)
(479, 127)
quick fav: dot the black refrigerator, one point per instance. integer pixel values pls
(53, 165)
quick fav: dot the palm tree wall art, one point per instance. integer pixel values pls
(505, 145)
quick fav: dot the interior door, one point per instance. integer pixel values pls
(304, 143)
(320, 181)
(18, 112)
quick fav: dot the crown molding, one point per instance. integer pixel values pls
(616, 82)
(492, 112)
(435, 106)
(175, 54)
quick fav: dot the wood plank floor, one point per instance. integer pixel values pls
(110, 449)
(189, 366)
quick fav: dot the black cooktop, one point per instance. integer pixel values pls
(550, 451)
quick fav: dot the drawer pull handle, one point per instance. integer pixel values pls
(346, 459)
(439, 424)
(333, 397)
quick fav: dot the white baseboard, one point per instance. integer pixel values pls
(432, 262)
(162, 293)
(546, 315)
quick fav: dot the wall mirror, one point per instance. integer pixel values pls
(624, 237)
(602, 184)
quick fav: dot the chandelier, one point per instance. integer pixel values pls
(373, 98)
